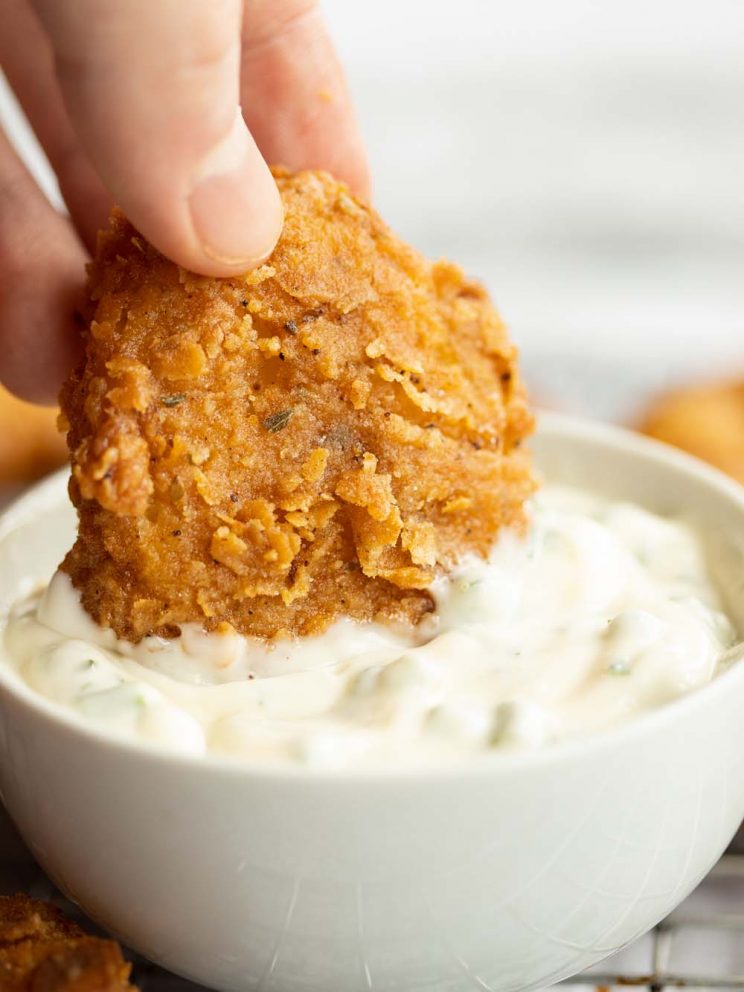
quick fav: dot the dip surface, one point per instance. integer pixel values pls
(603, 611)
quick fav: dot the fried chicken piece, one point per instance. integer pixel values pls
(30, 445)
(42, 951)
(322, 436)
(707, 421)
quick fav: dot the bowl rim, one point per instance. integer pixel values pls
(487, 765)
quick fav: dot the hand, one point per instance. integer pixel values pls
(139, 102)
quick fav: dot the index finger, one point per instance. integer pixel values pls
(295, 97)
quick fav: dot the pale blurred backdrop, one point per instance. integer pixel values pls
(585, 159)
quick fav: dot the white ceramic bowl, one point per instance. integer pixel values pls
(515, 872)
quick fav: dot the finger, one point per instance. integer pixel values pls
(41, 277)
(26, 58)
(295, 97)
(152, 90)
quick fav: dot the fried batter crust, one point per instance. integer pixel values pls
(320, 437)
(707, 421)
(42, 951)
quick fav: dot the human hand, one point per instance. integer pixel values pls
(138, 102)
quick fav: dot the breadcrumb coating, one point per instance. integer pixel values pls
(42, 951)
(320, 437)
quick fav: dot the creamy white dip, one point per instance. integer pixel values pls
(603, 611)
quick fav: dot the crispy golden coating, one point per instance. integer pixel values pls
(319, 437)
(707, 421)
(30, 445)
(42, 951)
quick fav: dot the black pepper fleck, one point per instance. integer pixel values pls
(278, 421)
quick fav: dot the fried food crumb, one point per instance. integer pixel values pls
(40, 949)
(706, 421)
(323, 436)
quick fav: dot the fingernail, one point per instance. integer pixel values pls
(235, 206)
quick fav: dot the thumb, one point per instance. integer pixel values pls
(152, 91)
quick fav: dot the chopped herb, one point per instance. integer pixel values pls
(233, 497)
(90, 662)
(619, 668)
(278, 421)
(244, 303)
(290, 327)
(173, 400)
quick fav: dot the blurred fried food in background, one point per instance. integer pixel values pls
(30, 444)
(706, 420)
